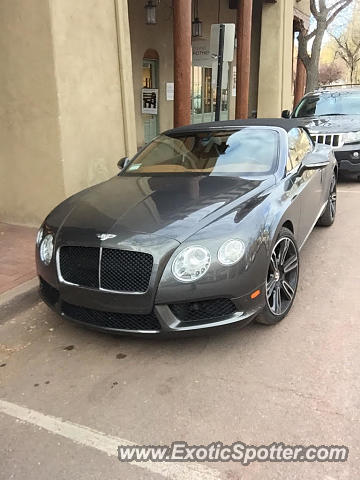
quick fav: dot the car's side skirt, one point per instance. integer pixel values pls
(313, 225)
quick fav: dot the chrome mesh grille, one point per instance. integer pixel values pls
(125, 270)
(80, 265)
(105, 268)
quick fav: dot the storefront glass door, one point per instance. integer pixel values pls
(150, 80)
(204, 97)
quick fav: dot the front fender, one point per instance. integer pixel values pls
(224, 281)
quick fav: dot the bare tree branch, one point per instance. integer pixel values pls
(348, 49)
(335, 5)
(313, 9)
(322, 6)
(310, 35)
(335, 13)
(324, 15)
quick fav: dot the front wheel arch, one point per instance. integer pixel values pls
(288, 224)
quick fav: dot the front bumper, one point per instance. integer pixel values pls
(183, 317)
(348, 158)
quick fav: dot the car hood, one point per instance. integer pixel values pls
(333, 124)
(175, 207)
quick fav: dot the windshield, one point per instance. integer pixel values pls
(329, 104)
(249, 151)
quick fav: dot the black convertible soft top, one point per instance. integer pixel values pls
(286, 124)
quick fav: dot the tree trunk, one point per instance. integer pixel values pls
(312, 80)
(312, 66)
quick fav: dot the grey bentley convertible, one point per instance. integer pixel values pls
(202, 228)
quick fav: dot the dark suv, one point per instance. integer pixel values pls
(333, 117)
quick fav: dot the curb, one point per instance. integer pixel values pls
(18, 299)
(20, 290)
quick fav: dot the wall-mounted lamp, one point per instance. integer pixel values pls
(150, 12)
(197, 23)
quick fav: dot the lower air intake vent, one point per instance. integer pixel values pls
(205, 310)
(118, 321)
(48, 293)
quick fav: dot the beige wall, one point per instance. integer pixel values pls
(303, 6)
(66, 100)
(89, 90)
(31, 177)
(276, 59)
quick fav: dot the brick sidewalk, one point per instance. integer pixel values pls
(17, 247)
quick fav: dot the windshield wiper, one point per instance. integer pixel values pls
(331, 114)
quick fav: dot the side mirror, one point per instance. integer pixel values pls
(314, 162)
(123, 163)
(285, 114)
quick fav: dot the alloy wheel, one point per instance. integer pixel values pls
(282, 276)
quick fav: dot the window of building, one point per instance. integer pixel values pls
(150, 80)
(204, 96)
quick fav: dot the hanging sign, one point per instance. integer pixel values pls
(201, 54)
(150, 101)
(229, 41)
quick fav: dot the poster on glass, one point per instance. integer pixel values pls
(150, 98)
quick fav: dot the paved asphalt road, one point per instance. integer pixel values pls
(297, 382)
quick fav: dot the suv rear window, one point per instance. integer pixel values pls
(335, 103)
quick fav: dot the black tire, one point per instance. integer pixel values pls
(282, 279)
(328, 217)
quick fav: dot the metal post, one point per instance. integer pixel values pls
(220, 73)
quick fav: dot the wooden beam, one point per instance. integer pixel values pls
(244, 21)
(182, 62)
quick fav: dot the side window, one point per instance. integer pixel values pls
(294, 159)
(306, 142)
(299, 145)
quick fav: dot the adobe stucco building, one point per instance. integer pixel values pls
(72, 77)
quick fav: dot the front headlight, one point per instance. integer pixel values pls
(231, 252)
(352, 137)
(47, 249)
(39, 236)
(191, 263)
